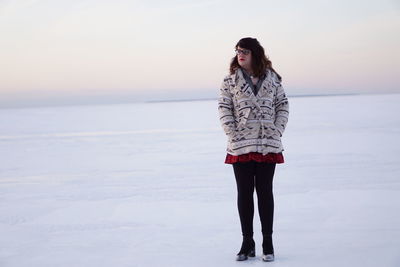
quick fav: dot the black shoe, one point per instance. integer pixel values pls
(248, 249)
(268, 248)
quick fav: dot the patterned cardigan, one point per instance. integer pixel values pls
(253, 123)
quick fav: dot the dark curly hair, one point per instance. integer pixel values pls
(260, 62)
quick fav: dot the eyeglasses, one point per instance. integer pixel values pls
(242, 51)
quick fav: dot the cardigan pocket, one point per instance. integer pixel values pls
(241, 133)
(271, 131)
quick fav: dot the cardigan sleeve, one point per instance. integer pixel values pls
(225, 108)
(281, 108)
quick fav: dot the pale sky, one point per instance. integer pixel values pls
(180, 49)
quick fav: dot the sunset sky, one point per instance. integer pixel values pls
(146, 50)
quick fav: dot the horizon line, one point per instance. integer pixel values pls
(41, 105)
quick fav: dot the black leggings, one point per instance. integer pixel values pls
(259, 175)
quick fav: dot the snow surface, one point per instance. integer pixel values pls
(145, 185)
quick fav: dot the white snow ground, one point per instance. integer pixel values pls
(145, 185)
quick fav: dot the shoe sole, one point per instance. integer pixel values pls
(243, 257)
(268, 259)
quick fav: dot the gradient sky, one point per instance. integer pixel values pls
(178, 48)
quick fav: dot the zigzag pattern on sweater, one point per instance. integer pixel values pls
(253, 123)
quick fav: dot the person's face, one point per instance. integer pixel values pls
(244, 57)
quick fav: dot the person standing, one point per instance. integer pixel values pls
(253, 111)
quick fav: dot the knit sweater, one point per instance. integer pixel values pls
(253, 123)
